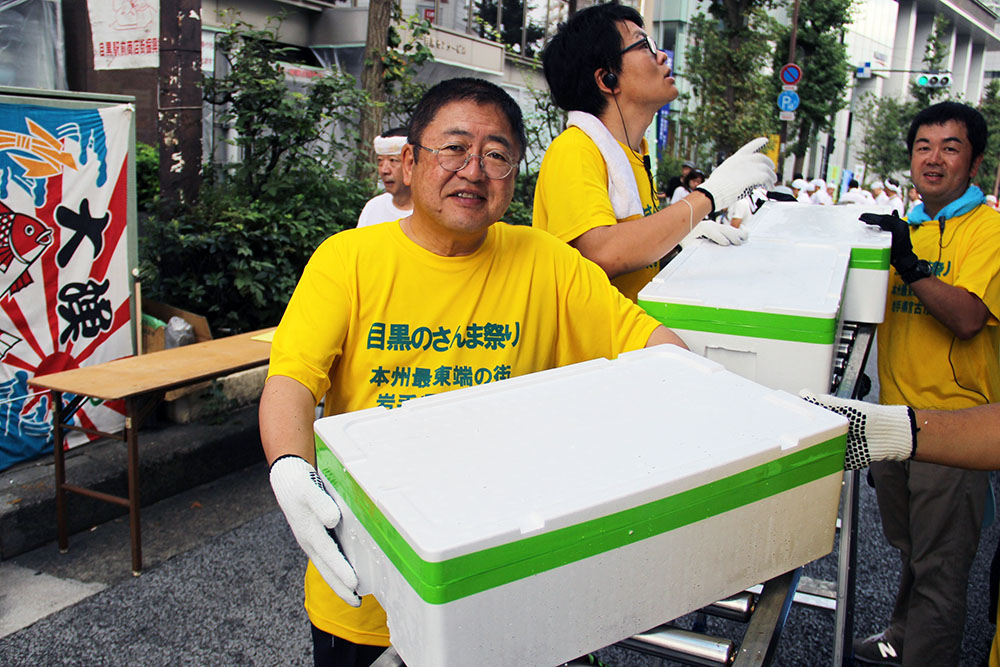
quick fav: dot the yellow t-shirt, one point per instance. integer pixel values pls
(571, 196)
(916, 353)
(378, 320)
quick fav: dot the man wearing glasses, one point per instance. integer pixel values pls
(442, 299)
(595, 188)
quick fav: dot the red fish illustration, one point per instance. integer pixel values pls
(23, 239)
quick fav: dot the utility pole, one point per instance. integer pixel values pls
(179, 103)
(791, 58)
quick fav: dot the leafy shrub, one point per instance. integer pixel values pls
(236, 253)
(236, 260)
(147, 176)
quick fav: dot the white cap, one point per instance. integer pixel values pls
(891, 187)
(877, 185)
(991, 199)
(818, 184)
(799, 184)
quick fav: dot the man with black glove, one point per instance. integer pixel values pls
(595, 189)
(937, 350)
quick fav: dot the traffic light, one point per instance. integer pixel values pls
(934, 80)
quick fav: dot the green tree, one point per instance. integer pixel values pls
(512, 25)
(389, 73)
(726, 63)
(235, 254)
(935, 55)
(883, 145)
(823, 58)
(277, 129)
(886, 120)
(989, 106)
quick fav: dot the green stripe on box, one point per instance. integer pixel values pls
(462, 576)
(776, 326)
(876, 259)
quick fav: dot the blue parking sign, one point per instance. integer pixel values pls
(788, 100)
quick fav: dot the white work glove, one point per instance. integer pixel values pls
(740, 173)
(310, 511)
(717, 233)
(874, 432)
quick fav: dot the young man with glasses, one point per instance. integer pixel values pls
(595, 188)
(444, 298)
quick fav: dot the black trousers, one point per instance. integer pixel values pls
(330, 651)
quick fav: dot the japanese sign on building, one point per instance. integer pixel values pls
(64, 273)
(126, 33)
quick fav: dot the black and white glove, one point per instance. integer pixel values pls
(740, 173)
(901, 256)
(310, 511)
(874, 432)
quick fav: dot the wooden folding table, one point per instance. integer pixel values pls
(141, 382)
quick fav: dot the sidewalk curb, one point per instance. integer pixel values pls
(172, 458)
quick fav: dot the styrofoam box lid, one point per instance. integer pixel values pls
(488, 484)
(833, 224)
(763, 283)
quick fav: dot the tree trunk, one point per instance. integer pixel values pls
(373, 80)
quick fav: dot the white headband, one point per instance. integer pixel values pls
(891, 187)
(389, 145)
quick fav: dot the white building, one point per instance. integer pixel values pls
(888, 34)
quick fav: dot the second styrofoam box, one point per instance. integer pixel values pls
(868, 273)
(529, 521)
(768, 310)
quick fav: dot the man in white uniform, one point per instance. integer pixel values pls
(799, 187)
(821, 196)
(395, 202)
(878, 192)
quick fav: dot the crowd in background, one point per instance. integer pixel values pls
(890, 192)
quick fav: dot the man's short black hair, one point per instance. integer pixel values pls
(941, 113)
(589, 41)
(462, 89)
(397, 132)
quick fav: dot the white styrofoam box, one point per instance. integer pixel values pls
(868, 273)
(768, 310)
(530, 521)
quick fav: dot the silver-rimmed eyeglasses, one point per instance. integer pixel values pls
(454, 157)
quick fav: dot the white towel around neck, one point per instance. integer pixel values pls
(622, 188)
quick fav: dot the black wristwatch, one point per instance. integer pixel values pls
(922, 269)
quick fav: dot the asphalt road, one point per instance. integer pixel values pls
(223, 586)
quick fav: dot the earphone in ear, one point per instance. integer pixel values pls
(610, 79)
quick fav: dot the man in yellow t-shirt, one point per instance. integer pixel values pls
(937, 350)
(442, 299)
(595, 187)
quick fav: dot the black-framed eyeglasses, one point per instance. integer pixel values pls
(646, 41)
(454, 157)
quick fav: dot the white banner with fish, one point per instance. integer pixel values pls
(64, 274)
